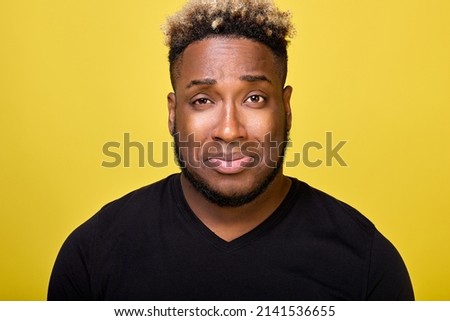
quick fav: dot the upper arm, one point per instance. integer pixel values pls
(388, 276)
(70, 277)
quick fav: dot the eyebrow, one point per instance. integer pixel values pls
(210, 81)
(199, 82)
(255, 78)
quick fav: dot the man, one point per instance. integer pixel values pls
(231, 226)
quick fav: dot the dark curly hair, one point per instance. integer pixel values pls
(258, 20)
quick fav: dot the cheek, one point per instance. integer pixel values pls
(193, 131)
(272, 123)
(197, 126)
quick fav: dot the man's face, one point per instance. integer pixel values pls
(230, 116)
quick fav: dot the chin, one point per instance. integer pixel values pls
(231, 191)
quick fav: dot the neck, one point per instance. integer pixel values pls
(231, 222)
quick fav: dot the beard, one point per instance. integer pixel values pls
(235, 199)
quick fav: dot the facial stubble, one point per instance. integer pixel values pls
(235, 199)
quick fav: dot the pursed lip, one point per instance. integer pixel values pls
(228, 163)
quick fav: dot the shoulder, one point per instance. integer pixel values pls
(154, 193)
(388, 275)
(327, 210)
(110, 230)
(346, 230)
(126, 215)
(137, 202)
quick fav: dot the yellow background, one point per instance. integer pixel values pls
(77, 74)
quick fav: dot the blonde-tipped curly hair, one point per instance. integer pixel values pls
(258, 20)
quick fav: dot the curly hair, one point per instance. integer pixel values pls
(258, 20)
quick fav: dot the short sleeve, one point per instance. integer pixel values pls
(69, 279)
(388, 276)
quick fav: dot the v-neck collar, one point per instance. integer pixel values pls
(229, 246)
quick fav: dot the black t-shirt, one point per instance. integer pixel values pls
(149, 245)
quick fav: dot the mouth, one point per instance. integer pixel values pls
(229, 164)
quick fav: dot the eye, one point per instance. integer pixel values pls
(255, 99)
(201, 101)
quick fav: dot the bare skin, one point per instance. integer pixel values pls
(227, 93)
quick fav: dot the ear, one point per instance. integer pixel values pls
(171, 105)
(287, 92)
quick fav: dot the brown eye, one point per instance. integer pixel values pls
(201, 101)
(255, 99)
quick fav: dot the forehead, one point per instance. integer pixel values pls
(224, 58)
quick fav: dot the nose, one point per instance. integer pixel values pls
(229, 126)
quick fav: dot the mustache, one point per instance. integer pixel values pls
(224, 151)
